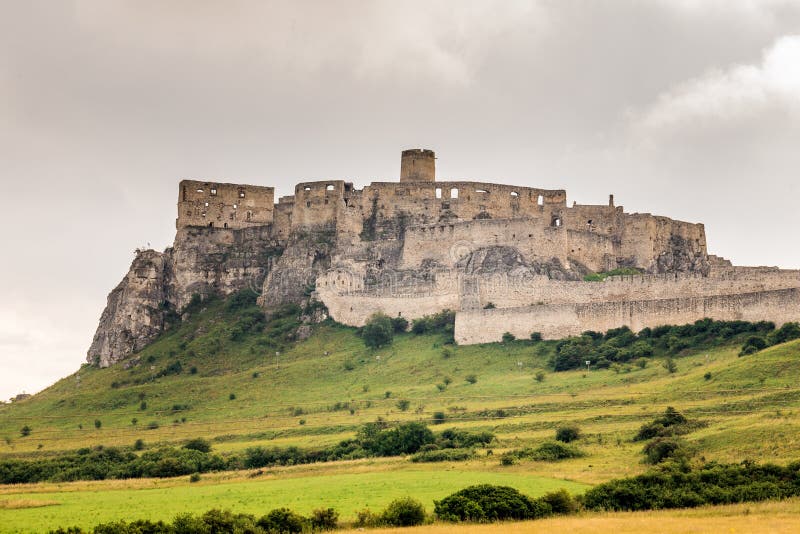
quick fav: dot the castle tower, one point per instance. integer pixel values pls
(418, 165)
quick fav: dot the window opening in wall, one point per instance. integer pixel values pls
(213, 191)
(481, 191)
(589, 222)
(211, 225)
(445, 205)
(555, 221)
(206, 204)
(184, 193)
(235, 206)
(438, 192)
(249, 215)
(540, 200)
(329, 187)
(326, 201)
(199, 190)
(454, 192)
(308, 203)
(514, 194)
(225, 225)
(203, 214)
(306, 188)
(241, 193)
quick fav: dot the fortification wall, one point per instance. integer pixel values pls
(555, 321)
(355, 308)
(660, 244)
(317, 203)
(282, 217)
(219, 205)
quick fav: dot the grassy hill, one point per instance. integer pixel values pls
(218, 376)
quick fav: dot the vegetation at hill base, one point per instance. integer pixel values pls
(248, 402)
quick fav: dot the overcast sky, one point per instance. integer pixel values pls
(689, 109)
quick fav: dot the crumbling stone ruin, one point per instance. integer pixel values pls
(505, 258)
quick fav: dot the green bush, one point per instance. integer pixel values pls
(445, 455)
(752, 345)
(536, 337)
(675, 486)
(282, 520)
(198, 444)
(508, 337)
(404, 512)
(471, 379)
(324, 519)
(672, 423)
(399, 324)
(486, 502)
(661, 449)
(560, 502)
(378, 331)
(567, 433)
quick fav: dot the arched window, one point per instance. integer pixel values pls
(329, 187)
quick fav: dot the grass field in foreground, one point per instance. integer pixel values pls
(753, 518)
(347, 492)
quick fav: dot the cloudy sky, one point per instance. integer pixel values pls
(684, 108)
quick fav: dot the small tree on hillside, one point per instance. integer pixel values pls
(378, 331)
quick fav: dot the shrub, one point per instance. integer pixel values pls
(98, 423)
(445, 455)
(508, 337)
(670, 424)
(138, 445)
(194, 477)
(486, 502)
(404, 512)
(198, 444)
(670, 365)
(752, 345)
(536, 337)
(403, 404)
(787, 332)
(25, 431)
(366, 518)
(282, 520)
(438, 418)
(399, 324)
(378, 331)
(561, 502)
(568, 433)
(324, 519)
(232, 396)
(152, 425)
(471, 379)
(349, 365)
(441, 386)
(661, 449)
(539, 376)
(707, 376)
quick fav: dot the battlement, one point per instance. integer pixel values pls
(222, 205)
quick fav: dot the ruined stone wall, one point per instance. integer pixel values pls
(555, 321)
(661, 244)
(221, 205)
(282, 217)
(317, 204)
(417, 165)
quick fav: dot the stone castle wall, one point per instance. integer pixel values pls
(555, 321)
(219, 205)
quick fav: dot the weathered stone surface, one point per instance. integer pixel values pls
(134, 314)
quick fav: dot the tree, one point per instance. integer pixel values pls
(508, 337)
(378, 331)
(198, 444)
(25, 431)
(539, 376)
(670, 365)
(471, 379)
(98, 423)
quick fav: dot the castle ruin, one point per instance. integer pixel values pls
(505, 258)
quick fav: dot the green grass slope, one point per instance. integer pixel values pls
(218, 376)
